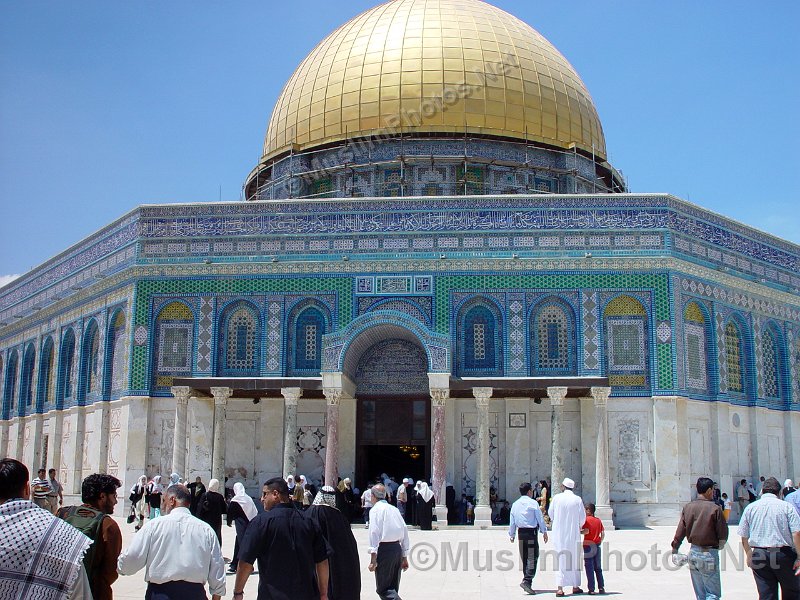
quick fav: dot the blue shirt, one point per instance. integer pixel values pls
(794, 500)
(769, 523)
(525, 514)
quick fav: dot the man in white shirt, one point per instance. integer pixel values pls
(388, 545)
(179, 552)
(366, 504)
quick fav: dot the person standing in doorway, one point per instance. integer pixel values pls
(703, 525)
(526, 521)
(366, 505)
(770, 532)
(388, 545)
(56, 495)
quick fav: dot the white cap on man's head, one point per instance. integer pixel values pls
(568, 483)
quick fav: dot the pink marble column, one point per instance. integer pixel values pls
(221, 395)
(439, 400)
(332, 396)
(601, 474)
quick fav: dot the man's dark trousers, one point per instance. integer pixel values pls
(387, 572)
(773, 567)
(528, 552)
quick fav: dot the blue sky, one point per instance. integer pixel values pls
(107, 105)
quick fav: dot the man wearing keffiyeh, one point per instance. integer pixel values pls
(344, 582)
(41, 556)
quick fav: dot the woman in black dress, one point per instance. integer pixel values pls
(211, 508)
(241, 510)
(425, 505)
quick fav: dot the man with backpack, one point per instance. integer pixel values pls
(99, 495)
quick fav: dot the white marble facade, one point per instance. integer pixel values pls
(657, 447)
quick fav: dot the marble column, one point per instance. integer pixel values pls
(181, 394)
(601, 475)
(332, 397)
(55, 440)
(439, 398)
(556, 395)
(38, 432)
(291, 396)
(483, 511)
(221, 395)
(4, 439)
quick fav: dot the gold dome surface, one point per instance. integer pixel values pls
(420, 66)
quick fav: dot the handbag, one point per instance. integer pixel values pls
(132, 517)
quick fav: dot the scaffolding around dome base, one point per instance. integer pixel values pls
(431, 166)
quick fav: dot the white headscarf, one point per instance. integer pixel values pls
(157, 487)
(302, 482)
(174, 478)
(213, 485)
(142, 483)
(424, 491)
(788, 483)
(245, 501)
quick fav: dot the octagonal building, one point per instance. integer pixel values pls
(435, 273)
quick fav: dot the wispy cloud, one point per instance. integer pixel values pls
(6, 279)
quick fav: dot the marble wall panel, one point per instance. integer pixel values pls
(200, 419)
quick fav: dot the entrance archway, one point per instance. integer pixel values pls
(392, 411)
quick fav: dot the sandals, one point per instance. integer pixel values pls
(576, 590)
(560, 594)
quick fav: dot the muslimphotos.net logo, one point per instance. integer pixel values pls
(463, 556)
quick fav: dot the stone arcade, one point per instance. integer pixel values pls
(436, 273)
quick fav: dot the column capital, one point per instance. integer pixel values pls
(482, 395)
(439, 396)
(600, 395)
(181, 393)
(291, 395)
(332, 396)
(557, 395)
(221, 394)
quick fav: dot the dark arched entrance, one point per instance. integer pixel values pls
(393, 412)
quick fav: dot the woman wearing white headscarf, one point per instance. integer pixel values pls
(241, 510)
(788, 487)
(211, 508)
(154, 491)
(174, 479)
(138, 499)
(425, 505)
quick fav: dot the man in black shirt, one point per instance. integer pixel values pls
(290, 550)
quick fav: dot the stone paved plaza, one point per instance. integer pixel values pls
(435, 577)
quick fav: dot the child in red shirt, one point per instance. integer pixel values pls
(594, 532)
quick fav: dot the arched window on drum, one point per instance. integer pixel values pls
(240, 343)
(626, 336)
(775, 368)
(307, 325)
(173, 345)
(552, 330)
(479, 346)
(696, 348)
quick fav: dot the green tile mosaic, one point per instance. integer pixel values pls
(657, 282)
(147, 288)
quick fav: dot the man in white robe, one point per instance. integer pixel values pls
(568, 515)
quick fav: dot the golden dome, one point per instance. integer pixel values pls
(434, 66)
